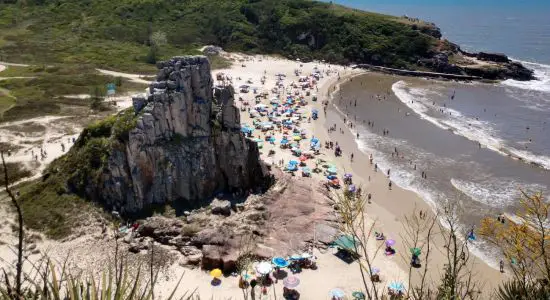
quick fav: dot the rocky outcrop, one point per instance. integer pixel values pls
(494, 57)
(185, 145)
(290, 216)
(500, 67)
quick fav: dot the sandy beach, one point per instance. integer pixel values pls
(387, 210)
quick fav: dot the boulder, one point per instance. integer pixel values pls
(212, 50)
(220, 207)
(494, 57)
(161, 229)
(212, 257)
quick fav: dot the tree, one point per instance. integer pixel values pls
(523, 241)
(97, 95)
(419, 232)
(156, 41)
(457, 281)
(15, 292)
(351, 207)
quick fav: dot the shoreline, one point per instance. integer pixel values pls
(389, 214)
(387, 210)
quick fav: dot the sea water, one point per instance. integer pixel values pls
(480, 144)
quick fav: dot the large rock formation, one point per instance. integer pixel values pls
(185, 147)
(292, 215)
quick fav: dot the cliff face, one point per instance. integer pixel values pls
(186, 144)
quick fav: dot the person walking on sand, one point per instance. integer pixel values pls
(351, 157)
(501, 264)
(389, 185)
(375, 167)
(388, 172)
(369, 197)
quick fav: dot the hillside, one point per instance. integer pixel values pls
(123, 34)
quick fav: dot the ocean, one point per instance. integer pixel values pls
(480, 144)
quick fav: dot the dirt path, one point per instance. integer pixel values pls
(137, 78)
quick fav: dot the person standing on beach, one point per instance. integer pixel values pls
(389, 185)
(351, 157)
(375, 167)
(388, 172)
(501, 264)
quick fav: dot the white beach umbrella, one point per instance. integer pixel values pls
(264, 268)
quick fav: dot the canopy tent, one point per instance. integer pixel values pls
(347, 242)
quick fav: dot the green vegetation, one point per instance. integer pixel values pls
(131, 35)
(42, 92)
(55, 203)
(16, 171)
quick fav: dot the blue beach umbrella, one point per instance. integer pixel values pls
(280, 262)
(396, 286)
(338, 293)
(332, 170)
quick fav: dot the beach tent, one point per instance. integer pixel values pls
(347, 242)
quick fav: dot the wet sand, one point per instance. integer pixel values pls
(390, 207)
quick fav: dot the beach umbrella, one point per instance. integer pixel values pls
(303, 158)
(314, 140)
(246, 275)
(293, 162)
(390, 242)
(332, 170)
(264, 268)
(331, 177)
(291, 282)
(280, 262)
(296, 138)
(315, 111)
(351, 188)
(306, 255)
(348, 175)
(415, 251)
(216, 273)
(306, 170)
(374, 270)
(338, 293)
(358, 295)
(396, 286)
(295, 257)
(294, 145)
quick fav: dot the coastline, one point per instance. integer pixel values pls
(390, 207)
(387, 210)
